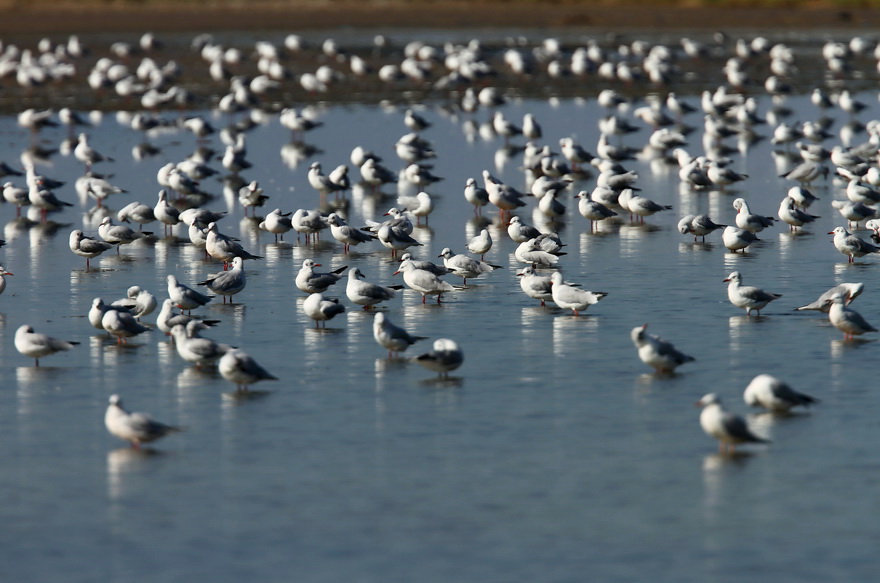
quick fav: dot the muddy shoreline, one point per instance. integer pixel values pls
(380, 15)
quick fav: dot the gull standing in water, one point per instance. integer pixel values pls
(119, 234)
(136, 428)
(195, 349)
(242, 370)
(311, 281)
(774, 395)
(423, 281)
(698, 226)
(167, 318)
(795, 217)
(476, 195)
(122, 325)
(3, 274)
(445, 357)
(392, 337)
(850, 245)
(185, 297)
(367, 294)
(345, 234)
(534, 285)
(227, 283)
(223, 248)
(463, 266)
(847, 320)
(592, 210)
(727, 428)
(277, 223)
(746, 296)
(321, 309)
(36, 345)
(736, 239)
(480, 244)
(745, 219)
(657, 352)
(572, 298)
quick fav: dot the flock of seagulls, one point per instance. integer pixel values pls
(249, 89)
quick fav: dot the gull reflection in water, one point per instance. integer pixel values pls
(717, 468)
(125, 465)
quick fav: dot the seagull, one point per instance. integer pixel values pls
(311, 281)
(308, 222)
(224, 248)
(251, 196)
(138, 301)
(657, 352)
(3, 273)
(97, 311)
(535, 285)
(395, 238)
(88, 155)
(474, 194)
(321, 309)
(119, 234)
(227, 283)
(277, 223)
(592, 210)
(572, 298)
(644, 207)
(367, 294)
(425, 282)
(464, 266)
(520, 232)
(347, 235)
(850, 245)
(167, 318)
(735, 238)
(193, 348)
(698, 226)
(854, 212)
(850, 292)
(727, 428)
(746, 296)
(136, 428)
(445, 357)
(847, 320)
(46, 201)
(424, 208)
(795, 217)
(185, 297)
(438, 270)
(480, 244)
(392, 337)
(138, 212)
(745, 219)
(530, 252)
(242, 370)
(87, 246)
(164, 212)
(122, 325)
(773, 394)
(319, 181)
(19, 197)
(36, 345)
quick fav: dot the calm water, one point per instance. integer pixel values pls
(551, 454)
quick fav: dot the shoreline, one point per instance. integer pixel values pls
(395, 15)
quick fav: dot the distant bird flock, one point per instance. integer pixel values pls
(639, 85)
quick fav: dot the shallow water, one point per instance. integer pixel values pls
(551, 453)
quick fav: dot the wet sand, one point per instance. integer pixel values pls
(381, 15)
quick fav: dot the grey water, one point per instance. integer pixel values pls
(552, 454)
